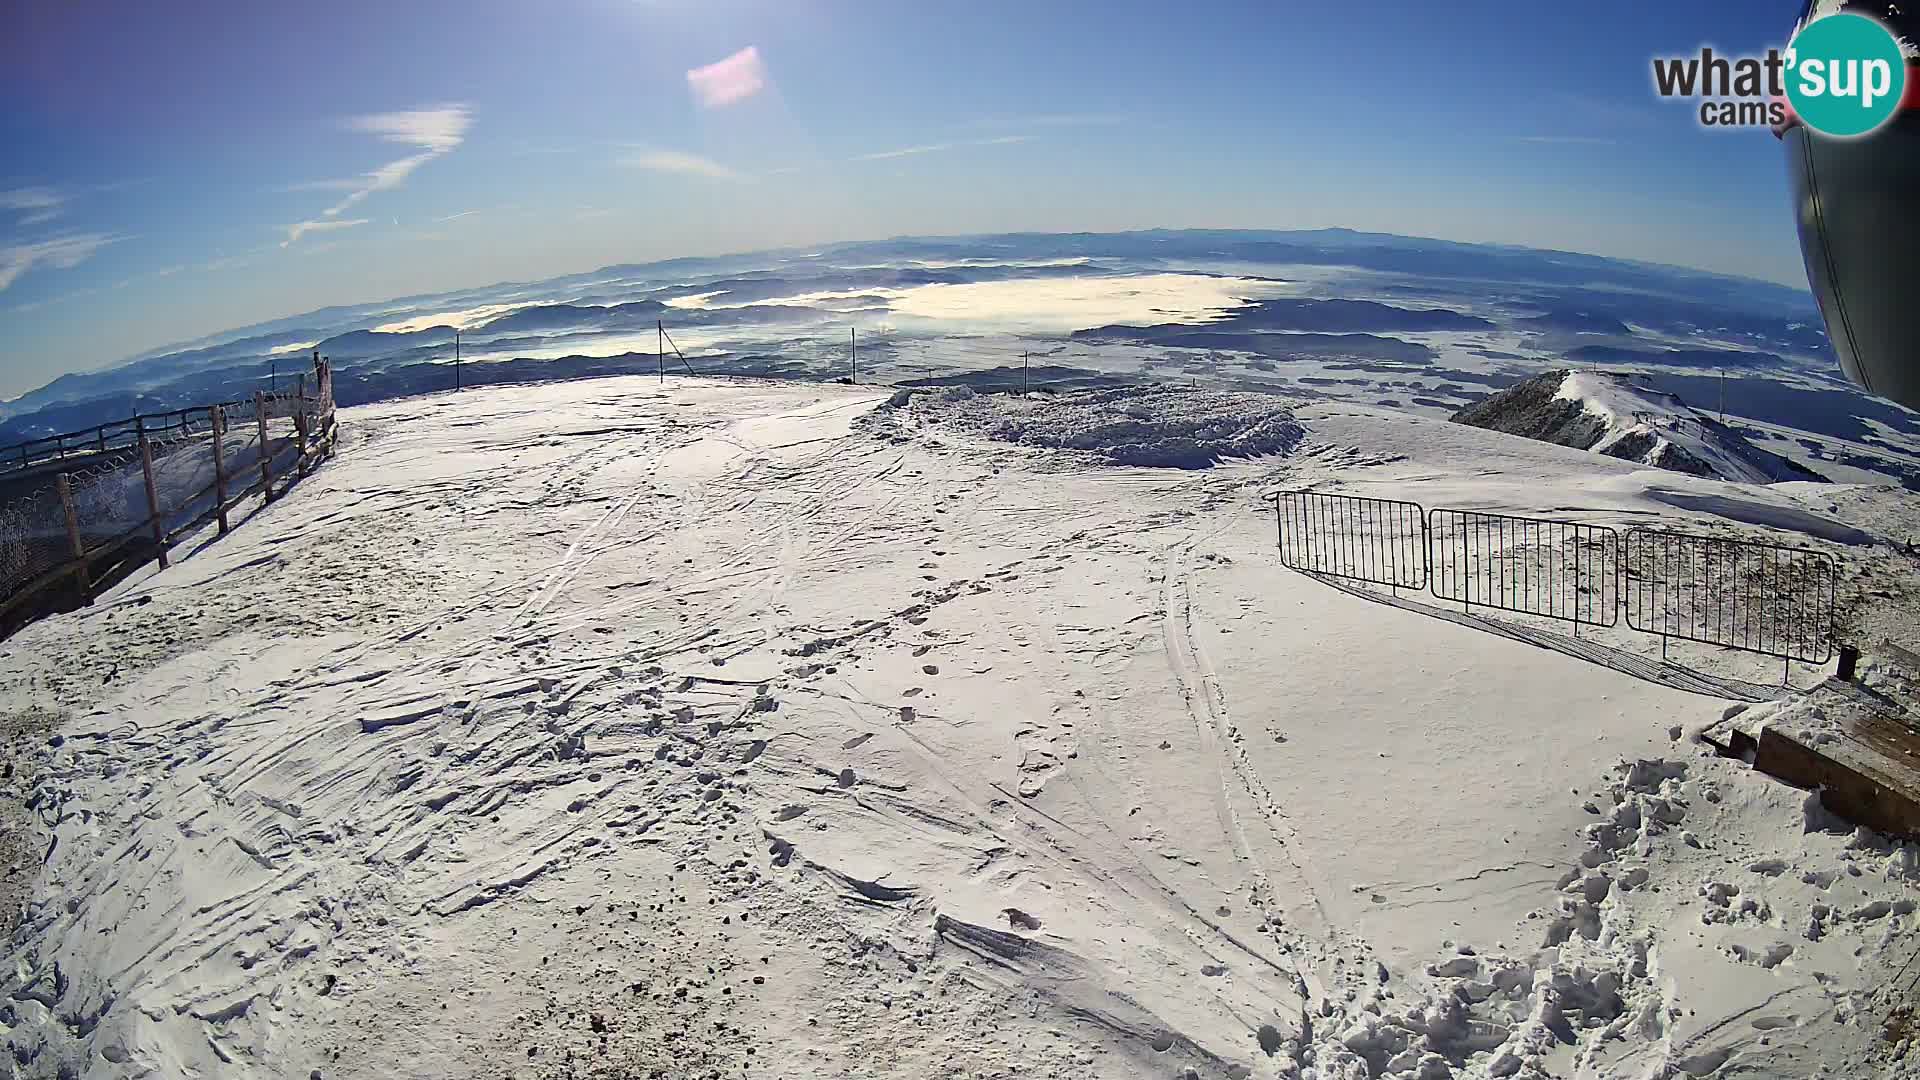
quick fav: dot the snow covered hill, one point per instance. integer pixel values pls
(613, 729)
(1609, 414)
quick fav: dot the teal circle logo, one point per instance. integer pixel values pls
(1845, 75)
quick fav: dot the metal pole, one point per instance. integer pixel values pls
(80, 571)
(153, 493)
(853, 352)
(456, 360)
(660, 348)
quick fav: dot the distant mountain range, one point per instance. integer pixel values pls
(1427, 325)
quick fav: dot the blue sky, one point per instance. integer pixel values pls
(162, 157)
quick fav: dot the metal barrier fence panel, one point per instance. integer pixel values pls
(1535, 566)
(1740, 594)
(1381, 541)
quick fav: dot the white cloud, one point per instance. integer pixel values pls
(435, 131)
(729, 81)
(301, 228)
(35, 205)
(456, 217)
(386, 177)
(61, 253)
(935, 148)
(678, 161)
(438, 129)
(905, 151)
(345, 183)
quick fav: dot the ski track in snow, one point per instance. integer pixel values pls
(606, 728)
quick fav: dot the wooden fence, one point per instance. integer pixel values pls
(67, 541)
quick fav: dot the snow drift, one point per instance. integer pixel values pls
(624, 729)
(1166, 426)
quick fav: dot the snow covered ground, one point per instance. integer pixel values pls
(716, 729)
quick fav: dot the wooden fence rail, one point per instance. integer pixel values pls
(94, 563)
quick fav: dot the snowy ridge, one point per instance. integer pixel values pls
(1670, 431)
(1608, 414)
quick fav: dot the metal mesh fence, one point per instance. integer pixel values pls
(1739, 594)
(1763, 598)
(33, 539)
(1555, 569)
(115, 500)
(1374, 540)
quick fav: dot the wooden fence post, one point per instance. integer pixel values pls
(79, 546)
(153, 493)
(266, 451)
(300, 421)
(220, 464)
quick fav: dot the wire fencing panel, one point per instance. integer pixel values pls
(1535, 566)
(1756, 597)
(33, 540)
(110, 492)
(1381, 541)
(134, 485)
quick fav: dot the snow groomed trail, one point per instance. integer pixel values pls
(608, 729)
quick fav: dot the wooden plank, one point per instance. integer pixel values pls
(1904, 658)
(1867, 770)
(37, 586)
(112, 547)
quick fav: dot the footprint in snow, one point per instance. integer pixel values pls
(931, 669)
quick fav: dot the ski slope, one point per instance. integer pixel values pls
(614, 728)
